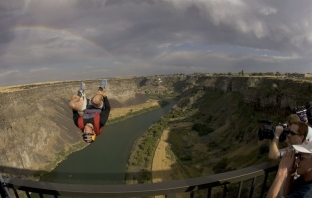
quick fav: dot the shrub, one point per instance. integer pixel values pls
(202, 129)
(212, 145)
(209, 118)
(186, 157)
(220, 167)
(146, 176)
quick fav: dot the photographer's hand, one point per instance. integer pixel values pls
(274, 151)
(288, 163)
(278, 130)
(285, 168)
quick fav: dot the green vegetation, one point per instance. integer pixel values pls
(220, 166)
(146, 176)
(202, 129)
(163, 96)
(144, 149)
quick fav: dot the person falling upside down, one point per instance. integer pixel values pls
(90, 115)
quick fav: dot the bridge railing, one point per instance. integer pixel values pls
(13, 187)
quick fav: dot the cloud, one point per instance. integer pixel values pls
(261, 24)
(211, 62)
(9, 12)
(46, 75)
(39, 70)
(141, 36)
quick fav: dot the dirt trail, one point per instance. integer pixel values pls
(162, 161)
(164, 167)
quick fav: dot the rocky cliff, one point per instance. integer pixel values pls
(37, 130)
(268, 94)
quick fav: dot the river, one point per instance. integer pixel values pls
(104, 161)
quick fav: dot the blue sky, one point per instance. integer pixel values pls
(44, 40)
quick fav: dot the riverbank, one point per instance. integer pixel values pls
(119, 114)
(165, 166)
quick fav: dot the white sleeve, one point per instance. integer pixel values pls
(309, 135)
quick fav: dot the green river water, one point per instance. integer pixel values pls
(104, 161)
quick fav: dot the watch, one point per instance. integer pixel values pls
(276, 137)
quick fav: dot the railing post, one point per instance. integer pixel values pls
(209, 192)
(192, 194)
(265, 179)
(225, 190)
(252, 187)
(240, 186)
(4, 192)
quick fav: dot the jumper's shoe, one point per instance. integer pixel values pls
(81, 90)
(103, 85)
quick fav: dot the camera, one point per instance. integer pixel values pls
(267, 130)
(301, 111)
(304, 112)
(282, 152)
(309, 112)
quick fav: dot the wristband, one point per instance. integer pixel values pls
(276, 137)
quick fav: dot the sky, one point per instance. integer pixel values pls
(45, 40)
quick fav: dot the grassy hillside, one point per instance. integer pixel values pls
(221, 134)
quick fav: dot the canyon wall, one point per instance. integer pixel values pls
(264, 93)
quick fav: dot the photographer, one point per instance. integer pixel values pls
(295, 136)
(309, 120)
(300, 161)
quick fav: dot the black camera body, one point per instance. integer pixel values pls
(267, 131)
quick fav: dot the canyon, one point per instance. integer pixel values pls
(37, 131)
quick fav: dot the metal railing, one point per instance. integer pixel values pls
(206, 185)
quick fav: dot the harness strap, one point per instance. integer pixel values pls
(96, 121)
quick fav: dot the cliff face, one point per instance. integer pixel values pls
(264, 92)
(36, 127)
